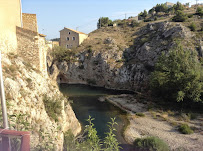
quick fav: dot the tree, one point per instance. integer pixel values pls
(151, 11)
(143, 14)
(178, 76)
(199, 11)
(104, 22)
(161, 8)
(180, 16)
(178, 6)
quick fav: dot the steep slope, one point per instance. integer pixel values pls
(35, 104)
(122, 58)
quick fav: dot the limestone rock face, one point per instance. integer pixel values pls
(127, 69)
(25, 89)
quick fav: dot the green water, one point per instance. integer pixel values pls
(85, 103)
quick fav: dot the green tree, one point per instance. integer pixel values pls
(178, 76)
(104, 22)
(199, 11)
(143, 14)
(178, 6)
(151, 11)
(180, 16)
(161, 8)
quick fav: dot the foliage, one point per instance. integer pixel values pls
(178, 7)
(135, 23)
(199, 11)
(53, 107)
(92, 142)
(140, 114)
(161, 8)
(180, 16)
(151, 143)
(62, 54)
(143, 14)
(110, 141)
(178, 76)
(192, 26)
(185, 129)
(104, 22)
(151, 11)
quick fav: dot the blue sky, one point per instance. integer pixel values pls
(54, 15)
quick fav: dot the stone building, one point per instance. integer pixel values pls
(10, 17)
(70, 38)
(169, 5)
(19, 34)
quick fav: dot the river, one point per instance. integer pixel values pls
(85, 103)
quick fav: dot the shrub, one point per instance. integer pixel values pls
(134, 23)
(190, 15)
(151, 143)
(62, 54)
(140, 114)
(185, 129)
(53, 107)
(179, 17)
(199, 11)
(192, 27)
(178, 76)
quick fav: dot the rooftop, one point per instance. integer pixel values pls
(74, 31)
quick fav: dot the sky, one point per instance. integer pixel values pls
(54, 15)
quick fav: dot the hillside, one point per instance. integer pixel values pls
(123, 57)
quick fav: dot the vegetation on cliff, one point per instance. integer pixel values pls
(178, 76)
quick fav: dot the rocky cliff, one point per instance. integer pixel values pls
(35, 104)
(122, 58)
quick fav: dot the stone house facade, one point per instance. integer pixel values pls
(169, 5)
(70, 38)
(19, 34)
(10, 17)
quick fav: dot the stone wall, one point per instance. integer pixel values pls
(32, 47)
(30, 21)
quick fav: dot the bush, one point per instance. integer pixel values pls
(179, 17)
(190, 15)
(192, 27)
(62, 54)
(140, 114)
(178, 76)
(151, 143)
(52, 107)
(199, 11)
(185, 129)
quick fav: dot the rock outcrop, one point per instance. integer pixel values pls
(114, 68)
(26, 89)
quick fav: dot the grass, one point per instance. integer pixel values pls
(151, 143)
(140, 114)
(185, 129)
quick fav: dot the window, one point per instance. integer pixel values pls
(66, 46)
(73, 38)
(69, 33)
(67, 38)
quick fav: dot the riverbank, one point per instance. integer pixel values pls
(159, 124)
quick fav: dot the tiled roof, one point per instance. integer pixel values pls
(74, 31)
